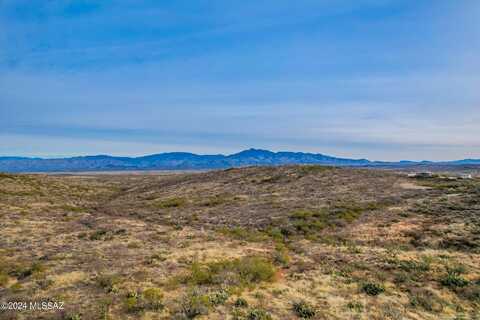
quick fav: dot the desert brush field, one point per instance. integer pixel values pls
(255, 243)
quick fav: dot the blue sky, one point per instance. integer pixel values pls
(382, 79)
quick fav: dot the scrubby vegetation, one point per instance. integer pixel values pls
(294, 242)
(372, 288)
(304, 310)
(243, 272)
(170, 203)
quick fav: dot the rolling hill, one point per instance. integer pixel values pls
(190, 161)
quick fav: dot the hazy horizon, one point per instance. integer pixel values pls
(378, 79)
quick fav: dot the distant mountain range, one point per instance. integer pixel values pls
(190, 161)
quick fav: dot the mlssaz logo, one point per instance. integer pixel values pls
(46, 305)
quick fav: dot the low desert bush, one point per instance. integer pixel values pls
(276, 234)
(412, 270)
(372, 288)
(170, 203)
(219, 297)
(355, 306)
(304, 310)
(453, 278)
(244, 234)
(426, 300)
(391, 312)
(243, 271)
(258, 314)
(149, 299)
(414, 265)
(216, 200)
(254, 269)
(280, 255)
(152, 298)
(101, 234)
(193, 304)
(72, 316)
(108, 282)
(241, 303)
(132, 304)
(306, 222)
(22, 271)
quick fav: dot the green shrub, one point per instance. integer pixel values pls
(350, 211)
(280, 256)
(401, 278)
(194, 304)
(108, 282)
(415, 266)
(355, 306)
(238, 314)
(149, 299)
(276, 234)
(457, 269)
(391, 311)
(22, 272)
(37, 267)
(241, 303)
(304, 310)
(413, 270)
(302, 214)
(244, 234)
(426, 299)
(200, 275)
(152, 299)
(216, 200)
(170, 203)
(132, 304)
(307, 222)
(255, 269)
(219, 297)
(452, 279)
(101, 234)
(372, 288)
(73, 316)
(244, 271)
(259, 296)
(104, 306)
(258, 314)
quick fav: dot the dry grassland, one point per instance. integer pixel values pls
(257, 243)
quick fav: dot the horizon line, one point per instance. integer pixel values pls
(225, 155)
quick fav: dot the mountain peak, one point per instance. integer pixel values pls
(253, 153)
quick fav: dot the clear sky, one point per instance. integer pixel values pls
(381, 79)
